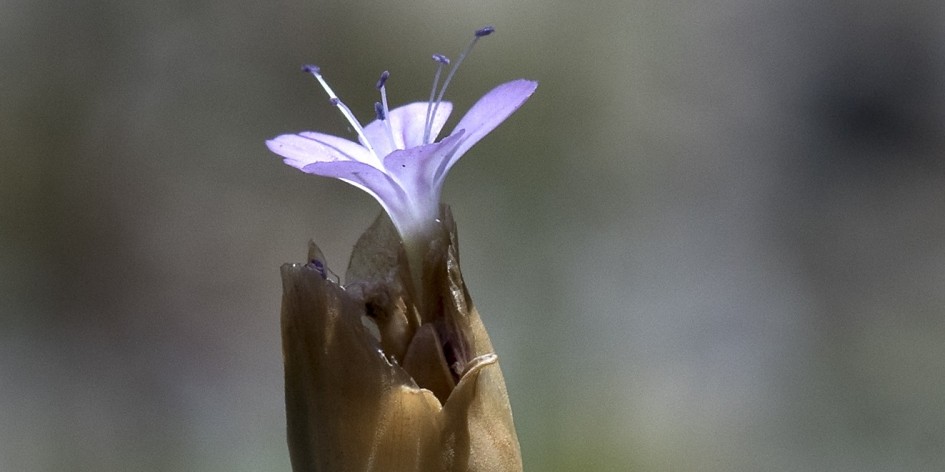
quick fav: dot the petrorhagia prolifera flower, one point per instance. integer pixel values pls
(397, 158)
(394, 371)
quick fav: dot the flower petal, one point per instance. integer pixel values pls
(300, 150)
(345, 146)
(407, 125)
(488, 113)
(366, 177)
(376, 133)
(414, 167)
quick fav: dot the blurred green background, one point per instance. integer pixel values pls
(714, 239)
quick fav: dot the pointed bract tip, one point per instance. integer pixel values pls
(485, 31)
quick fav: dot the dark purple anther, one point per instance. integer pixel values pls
(441, 59)
(334, 101)
(382, 80)
(311, 69)
(485, 31)
(319, 267)
(379, 111)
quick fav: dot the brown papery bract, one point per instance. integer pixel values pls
(378, 379)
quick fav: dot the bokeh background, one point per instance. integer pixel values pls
(714, 239)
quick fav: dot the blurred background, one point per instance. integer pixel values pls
(713, 240)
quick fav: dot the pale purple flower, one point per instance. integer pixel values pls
(397, 158)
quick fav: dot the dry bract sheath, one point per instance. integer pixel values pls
(352, 405)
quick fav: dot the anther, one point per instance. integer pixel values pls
(379, 111)
(319, 267)
(382, 80)
(485, 31)
(311, 69)
(441, 59)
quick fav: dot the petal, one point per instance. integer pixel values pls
(376, 133)
(366, 177)
(407, 126)
(486, 114)
(414, 167)
(345, 146)
(299, 151)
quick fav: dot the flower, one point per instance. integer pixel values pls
(397, 159)
(394, 370)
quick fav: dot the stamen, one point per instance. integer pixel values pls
(379, 111)
(381, 86)
(333, 98)
(479, 33)
(428, 121)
